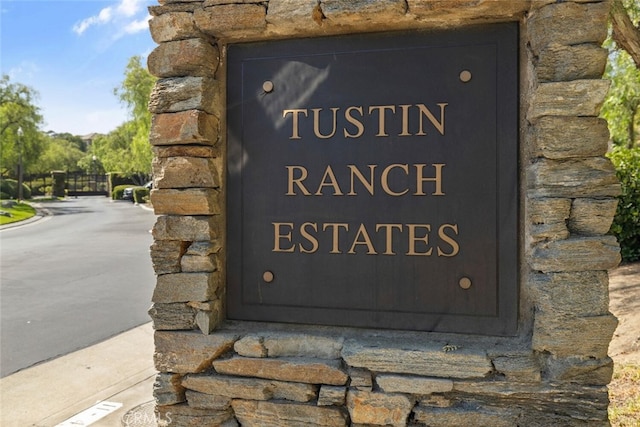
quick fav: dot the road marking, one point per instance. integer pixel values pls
(91, 415)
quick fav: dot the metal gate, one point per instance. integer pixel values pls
(82, 184)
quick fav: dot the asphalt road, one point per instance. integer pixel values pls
(73, 279)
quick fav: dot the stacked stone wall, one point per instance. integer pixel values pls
(215, 372)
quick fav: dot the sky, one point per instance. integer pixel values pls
(74, 54)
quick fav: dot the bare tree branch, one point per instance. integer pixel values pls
(625, 34)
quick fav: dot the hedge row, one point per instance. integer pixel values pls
(626, 223)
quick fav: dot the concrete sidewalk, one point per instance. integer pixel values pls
(118, 371)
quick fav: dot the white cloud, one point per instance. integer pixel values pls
(119, 14)
(103, 17)
(129, 8)
(137, 26)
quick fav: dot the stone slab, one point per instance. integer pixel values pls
(275, 414)
(427, 361)
(304, 370)
(189, 352)
(378, 408)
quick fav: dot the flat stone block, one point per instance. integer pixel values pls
(550, 404)
(185, 172)
(185, 127)
(192, 201)
(207, 401)
(378, 408)
(172, 317)
(548, 218)
(186, 228)
(574, 98)
(177, 94)
(590, 177)
(592, 217)
(456, 10)
(172, 7)
(167, 389)
(275, 414)
(303, 345)
(556, 137)
(580, 293)
(576, 254)
(293, 14)
(349, 12)
(191, 57)
(564, 63)
(518, 367)
(172, 26)
(189, 352)
(583, 370)
(413, 385)
(565, 336)
(550, 24)
(184, 415)
(185, 151)
(204, 248)
(360, 378)
(303, 370)
(227, 19)
(184, 287)
(332, 395)
(457, 417)
(236, 388)
(428, 361)
(199, 263)
(250, 388)
(250, 346)
(166, 255)
(208, 320)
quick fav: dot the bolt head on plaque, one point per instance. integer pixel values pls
(267, 86)
(268, 276)
(465, 76)
(465, 283)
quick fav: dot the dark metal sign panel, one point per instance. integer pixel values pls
(372, 180)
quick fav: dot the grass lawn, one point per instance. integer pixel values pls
(624, 394)
(19, 212)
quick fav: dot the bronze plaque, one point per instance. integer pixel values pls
(373, 180)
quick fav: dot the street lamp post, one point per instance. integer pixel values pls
(20, 193)
(94, 171)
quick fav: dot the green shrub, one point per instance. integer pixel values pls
(41, 190)
(4, 196)
(626, 223)
(140, 194)
(116, 194)
(10, 187)
(38, 190)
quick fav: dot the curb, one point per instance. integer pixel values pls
(40, 214)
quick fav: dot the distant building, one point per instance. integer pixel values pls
(88, 139)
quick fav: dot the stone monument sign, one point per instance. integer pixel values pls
(389, 212)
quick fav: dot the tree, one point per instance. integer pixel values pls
(134, 92)
(75, 140)
(622, 111)
(114, 151)
(59, 154)
(625, 33)
(622, 106)
(18, 111)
